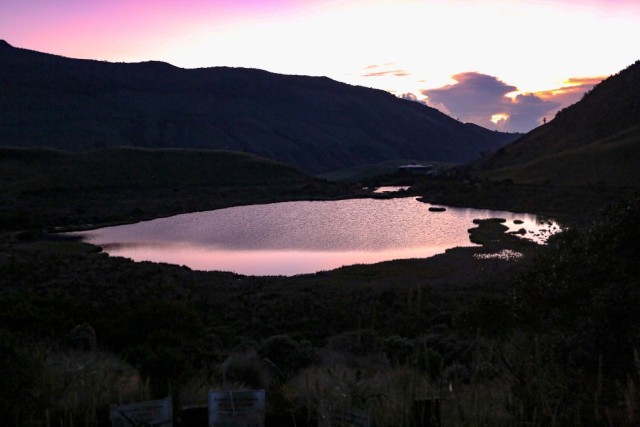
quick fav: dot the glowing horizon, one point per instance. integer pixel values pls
(544, 49)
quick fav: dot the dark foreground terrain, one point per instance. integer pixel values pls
(545, 337)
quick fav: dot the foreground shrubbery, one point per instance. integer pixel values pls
(554, 345)
(568, 331)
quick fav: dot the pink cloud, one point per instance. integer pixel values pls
(396, 73)
(381, 70)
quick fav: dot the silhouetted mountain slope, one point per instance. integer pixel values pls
(596, 140)
(314, 123)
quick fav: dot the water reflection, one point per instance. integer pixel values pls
(299, 237)
(505, 254)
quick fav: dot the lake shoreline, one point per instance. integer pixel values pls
(302, 237)
(353, 317)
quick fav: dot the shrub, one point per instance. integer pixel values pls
(246, 369)
(359, 342)
(21, 373)
(398, 349)
(161, 339)
(287, 354)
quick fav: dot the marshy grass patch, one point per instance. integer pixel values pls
(81, 385)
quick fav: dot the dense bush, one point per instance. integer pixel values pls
(21, 372)
(163, 344)
(585, 294)
(287, 355)
(567, 333)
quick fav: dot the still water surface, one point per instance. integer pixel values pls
(300, 237)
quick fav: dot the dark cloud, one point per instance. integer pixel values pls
(411, 97)
(472, 94)
(477, 97)
(526, 111)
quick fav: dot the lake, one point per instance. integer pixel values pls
(302, 237)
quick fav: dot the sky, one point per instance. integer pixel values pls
(503, 64)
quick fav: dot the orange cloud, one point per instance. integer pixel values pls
(586, 80)
(570, 92)
(573, 85)
(497, 118)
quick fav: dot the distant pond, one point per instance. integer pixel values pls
(302, 237)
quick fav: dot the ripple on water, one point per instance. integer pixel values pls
(505, 254)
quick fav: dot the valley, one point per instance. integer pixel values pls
(550, 336)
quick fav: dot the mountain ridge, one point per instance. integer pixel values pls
(314, 123)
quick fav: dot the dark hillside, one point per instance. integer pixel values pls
(596, 140)
(313, 123)
(47, 169)
(43, 188)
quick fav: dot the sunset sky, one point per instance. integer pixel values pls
(503, 64)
